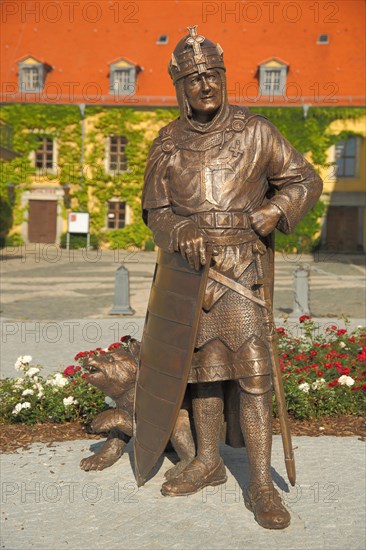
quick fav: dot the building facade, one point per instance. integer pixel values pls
(85, 88)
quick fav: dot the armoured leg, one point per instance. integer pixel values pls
(207, 468)
(256, 425)
(207, 404)
(182, 441)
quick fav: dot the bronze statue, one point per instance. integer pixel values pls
(219, 180)
(115, 374)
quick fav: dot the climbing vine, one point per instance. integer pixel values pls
(28, 122)
(139, 128)
(310, 133)
(91, 186)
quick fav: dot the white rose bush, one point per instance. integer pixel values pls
(62, 397)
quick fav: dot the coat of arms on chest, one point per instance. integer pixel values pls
(215, 178)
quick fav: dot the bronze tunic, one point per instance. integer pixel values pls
(214, 176)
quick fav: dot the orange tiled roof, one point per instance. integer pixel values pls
(78, 40)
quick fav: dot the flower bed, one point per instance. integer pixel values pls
(323, 374)
(323, 371)
(62, 397)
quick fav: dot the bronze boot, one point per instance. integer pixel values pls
(262, 498)
(266, 504)
(208, 467)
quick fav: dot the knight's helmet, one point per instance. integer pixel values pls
(195, 54)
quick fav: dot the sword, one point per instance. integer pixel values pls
(259, 249)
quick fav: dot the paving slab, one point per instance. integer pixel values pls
(49, 502)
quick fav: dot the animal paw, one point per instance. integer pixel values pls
(97, 462)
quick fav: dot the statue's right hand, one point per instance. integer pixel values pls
(190, 243)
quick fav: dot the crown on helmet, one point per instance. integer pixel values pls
(190, 56)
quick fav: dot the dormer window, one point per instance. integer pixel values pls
(122, 77)
(323, 39)
(31, 75)
(163, 39)
(272, 77)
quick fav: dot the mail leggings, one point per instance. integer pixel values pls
(255, 423)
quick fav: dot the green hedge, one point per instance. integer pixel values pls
(79, 240)
(6, 219)
(132, 235)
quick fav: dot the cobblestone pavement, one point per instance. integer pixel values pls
(49, 502)
(42, 282)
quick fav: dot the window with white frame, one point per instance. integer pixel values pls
(122, 78)
(116, 217)
(31, 75)
(346, 158)
(272, 77)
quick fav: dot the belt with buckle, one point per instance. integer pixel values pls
(221, 220)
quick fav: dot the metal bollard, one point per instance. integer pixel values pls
(121, 305)
(301, 291)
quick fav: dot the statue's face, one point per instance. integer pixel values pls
(204, 94)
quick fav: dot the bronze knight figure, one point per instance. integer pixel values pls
(219, 180)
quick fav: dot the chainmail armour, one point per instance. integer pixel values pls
(236, 317)
(256, 425)
(207, 403)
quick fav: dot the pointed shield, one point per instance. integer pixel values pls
(167, 347)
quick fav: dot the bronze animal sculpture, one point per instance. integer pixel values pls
(218, 182)
(114, 373)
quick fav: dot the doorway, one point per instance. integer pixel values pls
(42, 221)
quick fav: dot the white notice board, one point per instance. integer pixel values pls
(78, 222)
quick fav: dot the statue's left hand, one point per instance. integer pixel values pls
(265, 219)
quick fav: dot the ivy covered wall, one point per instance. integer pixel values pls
(311, 134)
(92, 187)
(140, 128)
